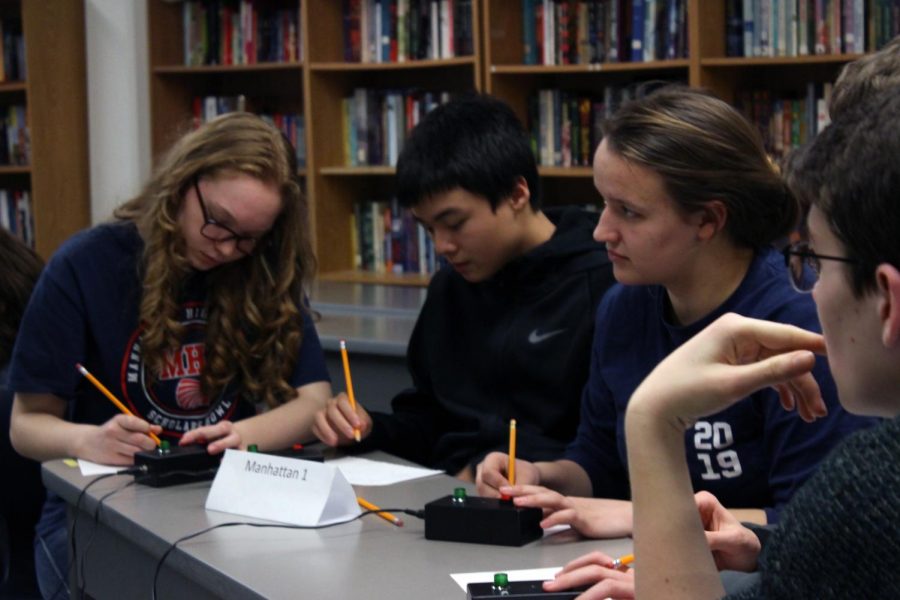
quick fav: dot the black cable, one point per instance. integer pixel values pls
(80, 579)
(83, 585)
(415, 513)
(72, 530)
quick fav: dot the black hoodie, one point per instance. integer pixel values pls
(515, 346)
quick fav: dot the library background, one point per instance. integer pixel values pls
(346, 80)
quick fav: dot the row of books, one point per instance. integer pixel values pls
(376, 122)
(566, 127)
(239, 32)
(16, 216)
(807, 27)
(386, 31)
(292, 125)
(387, 239)
(15, 138)
(787, 121)
(563, 32)
(12, 50)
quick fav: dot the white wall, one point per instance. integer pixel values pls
(118, 101)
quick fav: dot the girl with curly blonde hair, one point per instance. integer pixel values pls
(189, 306)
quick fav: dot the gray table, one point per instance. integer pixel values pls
(368, 558)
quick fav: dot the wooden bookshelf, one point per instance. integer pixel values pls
(706, 65)
(313, 86)
(333, 186)
(723, 75)
(317, 84)
(54, 92)
(268, 86)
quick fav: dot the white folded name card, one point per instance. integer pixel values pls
(278, 488)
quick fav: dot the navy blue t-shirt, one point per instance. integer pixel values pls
(754, 454)
(84, 309)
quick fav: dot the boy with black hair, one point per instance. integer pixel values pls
(506, 328)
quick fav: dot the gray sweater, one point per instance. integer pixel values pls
(840, 535)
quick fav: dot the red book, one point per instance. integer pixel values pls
(392, 30)
(227, 33)
(539, 31)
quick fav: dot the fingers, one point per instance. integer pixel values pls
(222, 435)
(536, 496)
(322, 429)
(490, 474)
(802, 394)
(334, 424)
(607, 582)
(568, 516)
(777, 337)
(131, 433)
(592, 558)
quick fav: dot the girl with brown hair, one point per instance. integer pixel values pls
(189, 306)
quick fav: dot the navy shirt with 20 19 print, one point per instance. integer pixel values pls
(754, 454)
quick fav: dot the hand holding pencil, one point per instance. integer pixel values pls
(116, 441)
(342, 421)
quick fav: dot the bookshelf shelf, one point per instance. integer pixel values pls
(444, 63)
(13, 87)
(780, 61)
(224, 69)
(15, 170)
(657, 65)
(382, 171)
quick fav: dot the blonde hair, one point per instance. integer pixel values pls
(254, 319)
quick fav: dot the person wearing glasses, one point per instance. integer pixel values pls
(838, 535)
(692, 207)
(189, 306)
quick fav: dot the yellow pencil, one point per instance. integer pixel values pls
(622, 562)
(512, 452)
(112, 398)
(349, 382)
(389, 517)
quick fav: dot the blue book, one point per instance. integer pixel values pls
(637, 31)
(747, 17)
(529, 39)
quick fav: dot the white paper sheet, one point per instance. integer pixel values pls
(91, 468)
(364, 471)
(543, 574)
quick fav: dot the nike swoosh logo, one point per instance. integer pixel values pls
(536, 338)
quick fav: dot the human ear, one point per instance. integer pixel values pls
(520, 197)
(711, 219)
(887, 284)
